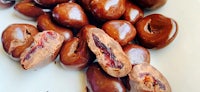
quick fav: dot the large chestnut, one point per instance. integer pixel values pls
(150, 4)
(99, 81)
(105, 9)
(70, 15)
(132, 13)
(137, 54)
(28, 9)
(120, 30)
(44, 22)
(156, 31)
(145, 78)
(43, 50)
(17, 37)
(108, 52)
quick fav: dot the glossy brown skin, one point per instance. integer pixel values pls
(51, 3)
(156, 31)
(133, 13)
(145, 78)
(105, 9)
(28, 9)
(44, 22)
(6, 3)
(99, 81)
(108, 52)
(17, 37)
(137, 54)
(120, 30)
(150, 4)
(70, 15)
(43, 50)
(75, 53)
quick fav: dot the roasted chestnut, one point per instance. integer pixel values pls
(145, 78)
(132, 13)
(156, 31)
(70, 15)
(43, 50)
(108, 52)
(28, 10)
(17, 37)
(150, 4)
(6, 3)
(137, 54)
(75, 53)
(44, 22)
(120, 30)
(99, 81)
(105, 9)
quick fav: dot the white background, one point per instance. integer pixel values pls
(179, 62)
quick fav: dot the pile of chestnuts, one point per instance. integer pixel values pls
(109, 39)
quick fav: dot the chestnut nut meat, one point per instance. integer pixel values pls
(156, 31)
(17, 37)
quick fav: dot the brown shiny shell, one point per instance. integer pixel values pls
(17, 37)
(150, 4)
(156, 31)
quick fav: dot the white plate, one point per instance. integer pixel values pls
(179, 61)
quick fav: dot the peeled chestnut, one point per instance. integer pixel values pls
(75, 53)
(105, 9)
(43, 50)
(120, 30)
(137, 54)
(145, 78)
(6, 3)
(44, 22)
(99, 81)
(108, 52)
(132, 13)
(156, 31)
(70, 15)
(17, 37)
(150, 4)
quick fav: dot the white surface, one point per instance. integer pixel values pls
(179, 61)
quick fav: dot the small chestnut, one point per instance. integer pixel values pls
(44, 22)
(120, 30)
(105, 9)
(150, 4)
(156, 31)
(108, 52)
(99, 81)
(17, 37)
(145, 78)
(132, 13)
(137, 54)
(70, 15)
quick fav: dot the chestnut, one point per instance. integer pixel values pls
(133, 13)
(43, 50)
(108, 52)
(156, 31)
(44, 22)
(28, 10)
(51, 3)
(99, 81)
(105, 9)
(150, 4)
(6, 3)
(137, 54)
(70, 15)
(75, 54)
(17, 37)
(120, 30)
(145, 78)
